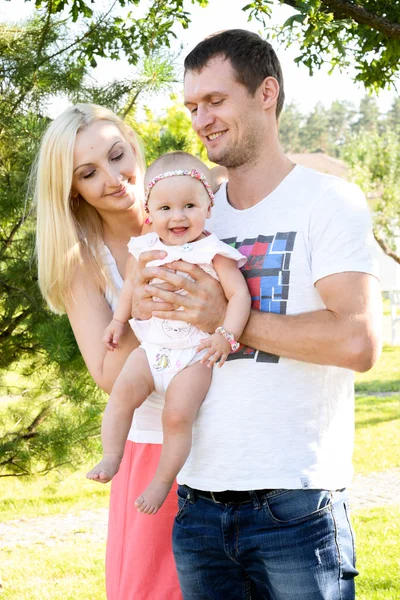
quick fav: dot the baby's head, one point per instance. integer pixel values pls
(178, 197)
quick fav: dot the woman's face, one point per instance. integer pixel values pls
(106, 172)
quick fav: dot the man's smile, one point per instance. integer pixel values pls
(214, 136)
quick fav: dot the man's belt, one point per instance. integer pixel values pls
(233, 496)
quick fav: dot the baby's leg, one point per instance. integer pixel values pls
(183, 399)
(134, 384)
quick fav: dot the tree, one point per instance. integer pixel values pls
(368, 119)
(314, 134)
(55, 54)
(56, 419)
(374, 160)
(340, 116)
(393, 117)
(342, 33)
(170, 131)
(290, 124)
(337, 32)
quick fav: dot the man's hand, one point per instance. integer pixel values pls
(218, 348)
(204, 304)
(140, 275)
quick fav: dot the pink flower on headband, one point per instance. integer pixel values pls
(177, 173)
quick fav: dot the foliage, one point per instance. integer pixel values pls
(374, 160)
(342, 33)
(56, 419)
(54, 55)
(339, 33)
(170, 131)
(369, 144)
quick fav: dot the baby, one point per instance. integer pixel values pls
(174, 357)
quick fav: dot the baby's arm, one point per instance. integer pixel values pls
(237, 312)
(122, 314)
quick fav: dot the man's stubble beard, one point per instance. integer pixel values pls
(245, 153)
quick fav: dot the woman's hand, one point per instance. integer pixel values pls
(204, 304)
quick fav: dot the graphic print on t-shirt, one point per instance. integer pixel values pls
(267, 275)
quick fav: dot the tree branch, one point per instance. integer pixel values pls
(88, 33)
(44, 32)
(6, 333)
(344, 9)
(18, 224)
(128, 108)
(386, 248)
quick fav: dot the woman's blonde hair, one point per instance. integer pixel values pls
(67, 234)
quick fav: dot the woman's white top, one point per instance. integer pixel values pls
(146, 425)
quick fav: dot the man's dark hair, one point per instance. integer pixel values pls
(252, 58)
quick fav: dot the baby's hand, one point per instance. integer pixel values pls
(219, 348)
(112, 334)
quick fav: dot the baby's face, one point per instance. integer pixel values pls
(179, 207)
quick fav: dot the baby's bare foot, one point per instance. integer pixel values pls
(105, 470)
(153, 497)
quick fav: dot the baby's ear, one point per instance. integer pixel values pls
(208, 215)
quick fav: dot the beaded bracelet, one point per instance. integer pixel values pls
(228, 336)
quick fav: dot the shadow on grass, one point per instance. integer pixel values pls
(374, 410)
(378, 386)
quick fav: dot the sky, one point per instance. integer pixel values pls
(306, 91)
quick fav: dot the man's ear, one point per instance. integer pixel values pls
(269, 89)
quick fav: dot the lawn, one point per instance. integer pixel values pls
(72, 569)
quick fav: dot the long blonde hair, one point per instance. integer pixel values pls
(64, 236)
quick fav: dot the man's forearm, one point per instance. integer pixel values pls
(319, 337)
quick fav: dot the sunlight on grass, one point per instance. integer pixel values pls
(377, 441)
(67, 571)
(49, 495)
(384, 376)
(378, 558)
(74, 568)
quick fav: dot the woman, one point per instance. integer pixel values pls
(89, 197)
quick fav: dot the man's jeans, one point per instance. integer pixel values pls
(284, 545)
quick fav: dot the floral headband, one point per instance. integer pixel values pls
(178, 172)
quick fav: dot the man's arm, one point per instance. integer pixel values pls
(347, 333)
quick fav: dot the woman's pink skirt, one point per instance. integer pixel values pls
(139, 560)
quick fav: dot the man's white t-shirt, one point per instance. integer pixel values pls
(267, 421)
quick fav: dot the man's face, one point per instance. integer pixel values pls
(229, 121)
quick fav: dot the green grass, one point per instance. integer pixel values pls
(378, 558)
(377, 440)
(384, 376)
(74, 568)
(50, 495)
(70, 570)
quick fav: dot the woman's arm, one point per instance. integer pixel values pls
(89, 315)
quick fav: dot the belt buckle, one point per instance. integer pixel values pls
(213, 497)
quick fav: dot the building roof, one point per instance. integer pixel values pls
(321, 162)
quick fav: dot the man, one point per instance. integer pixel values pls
(263, 510)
